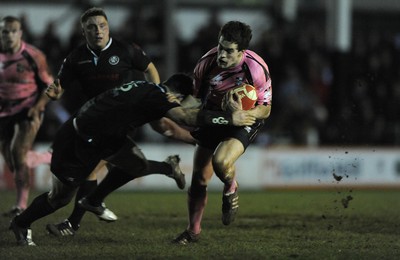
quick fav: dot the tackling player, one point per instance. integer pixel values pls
(223, 68)
(100, 131)
(101, 64)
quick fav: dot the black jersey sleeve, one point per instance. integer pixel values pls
(139, 60)
(67, 74)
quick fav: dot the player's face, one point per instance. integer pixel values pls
(228, 54)
(96, 32)
(11, 35)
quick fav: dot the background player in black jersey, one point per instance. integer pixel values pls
(100, 64)
(100, 131)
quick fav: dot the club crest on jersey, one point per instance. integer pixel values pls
(239, 81)
(113, 60)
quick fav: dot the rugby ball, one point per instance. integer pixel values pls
(248, 94)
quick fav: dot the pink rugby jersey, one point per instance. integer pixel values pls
(18, 89)
(211, 82)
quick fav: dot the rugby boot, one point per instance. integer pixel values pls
(22, 235)
(186, 237)
(13, 212)
(61, 229)
(102, 212)
(230, 206)
(177, 173)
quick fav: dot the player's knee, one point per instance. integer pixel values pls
(19, 158)
(130, 160)
(224, 170)
(59, 201)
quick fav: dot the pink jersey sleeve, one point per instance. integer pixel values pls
(41, 62)
(261, 77)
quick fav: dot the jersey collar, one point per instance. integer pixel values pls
(105, 48)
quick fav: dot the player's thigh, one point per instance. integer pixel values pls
(228, 152)
(25, 132)
(128, 158)
(6, 135)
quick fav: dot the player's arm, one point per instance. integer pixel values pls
(35, 112)
(197, 117)
(45, 76)
(151, 73)
(261, 111)
(169, 128)
(229, 104)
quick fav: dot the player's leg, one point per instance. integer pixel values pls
(223, 162)
(127, 163)
(170, 166)
(87, 187)
(197, 194)
(25, 131)
(69, 226)
(43, 205)
(6, 136)
(225, 156)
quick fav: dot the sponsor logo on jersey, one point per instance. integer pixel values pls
(238, 81)
(128, 86)
(113, 60)
(219, 121)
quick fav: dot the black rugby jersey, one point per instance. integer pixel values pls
(115, 111)
(117, 63)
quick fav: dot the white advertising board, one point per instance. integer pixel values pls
(263, 168)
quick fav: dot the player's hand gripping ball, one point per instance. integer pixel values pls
(247, 94)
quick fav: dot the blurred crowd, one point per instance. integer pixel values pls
(321, 96)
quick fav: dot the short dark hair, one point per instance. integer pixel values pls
(10, 19)
(94, 11)
(180, 83)
(236, 32)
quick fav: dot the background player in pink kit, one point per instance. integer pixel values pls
(220, 70)
(22, 102)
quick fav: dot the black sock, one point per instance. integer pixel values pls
(157, 167)
(39, 208)
(77, 214)
(114, 179)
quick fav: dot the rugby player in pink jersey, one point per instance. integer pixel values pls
(22, 102)
(223, 68)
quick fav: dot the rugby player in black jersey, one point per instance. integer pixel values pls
(102, 63)
(99, 131)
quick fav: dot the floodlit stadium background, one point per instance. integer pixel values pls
(334, 66)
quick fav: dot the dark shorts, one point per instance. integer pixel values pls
(7, 124)
(210, 137)
(74, 158)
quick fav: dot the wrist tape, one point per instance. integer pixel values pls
(208, 117)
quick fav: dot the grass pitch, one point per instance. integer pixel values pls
(328, 224)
